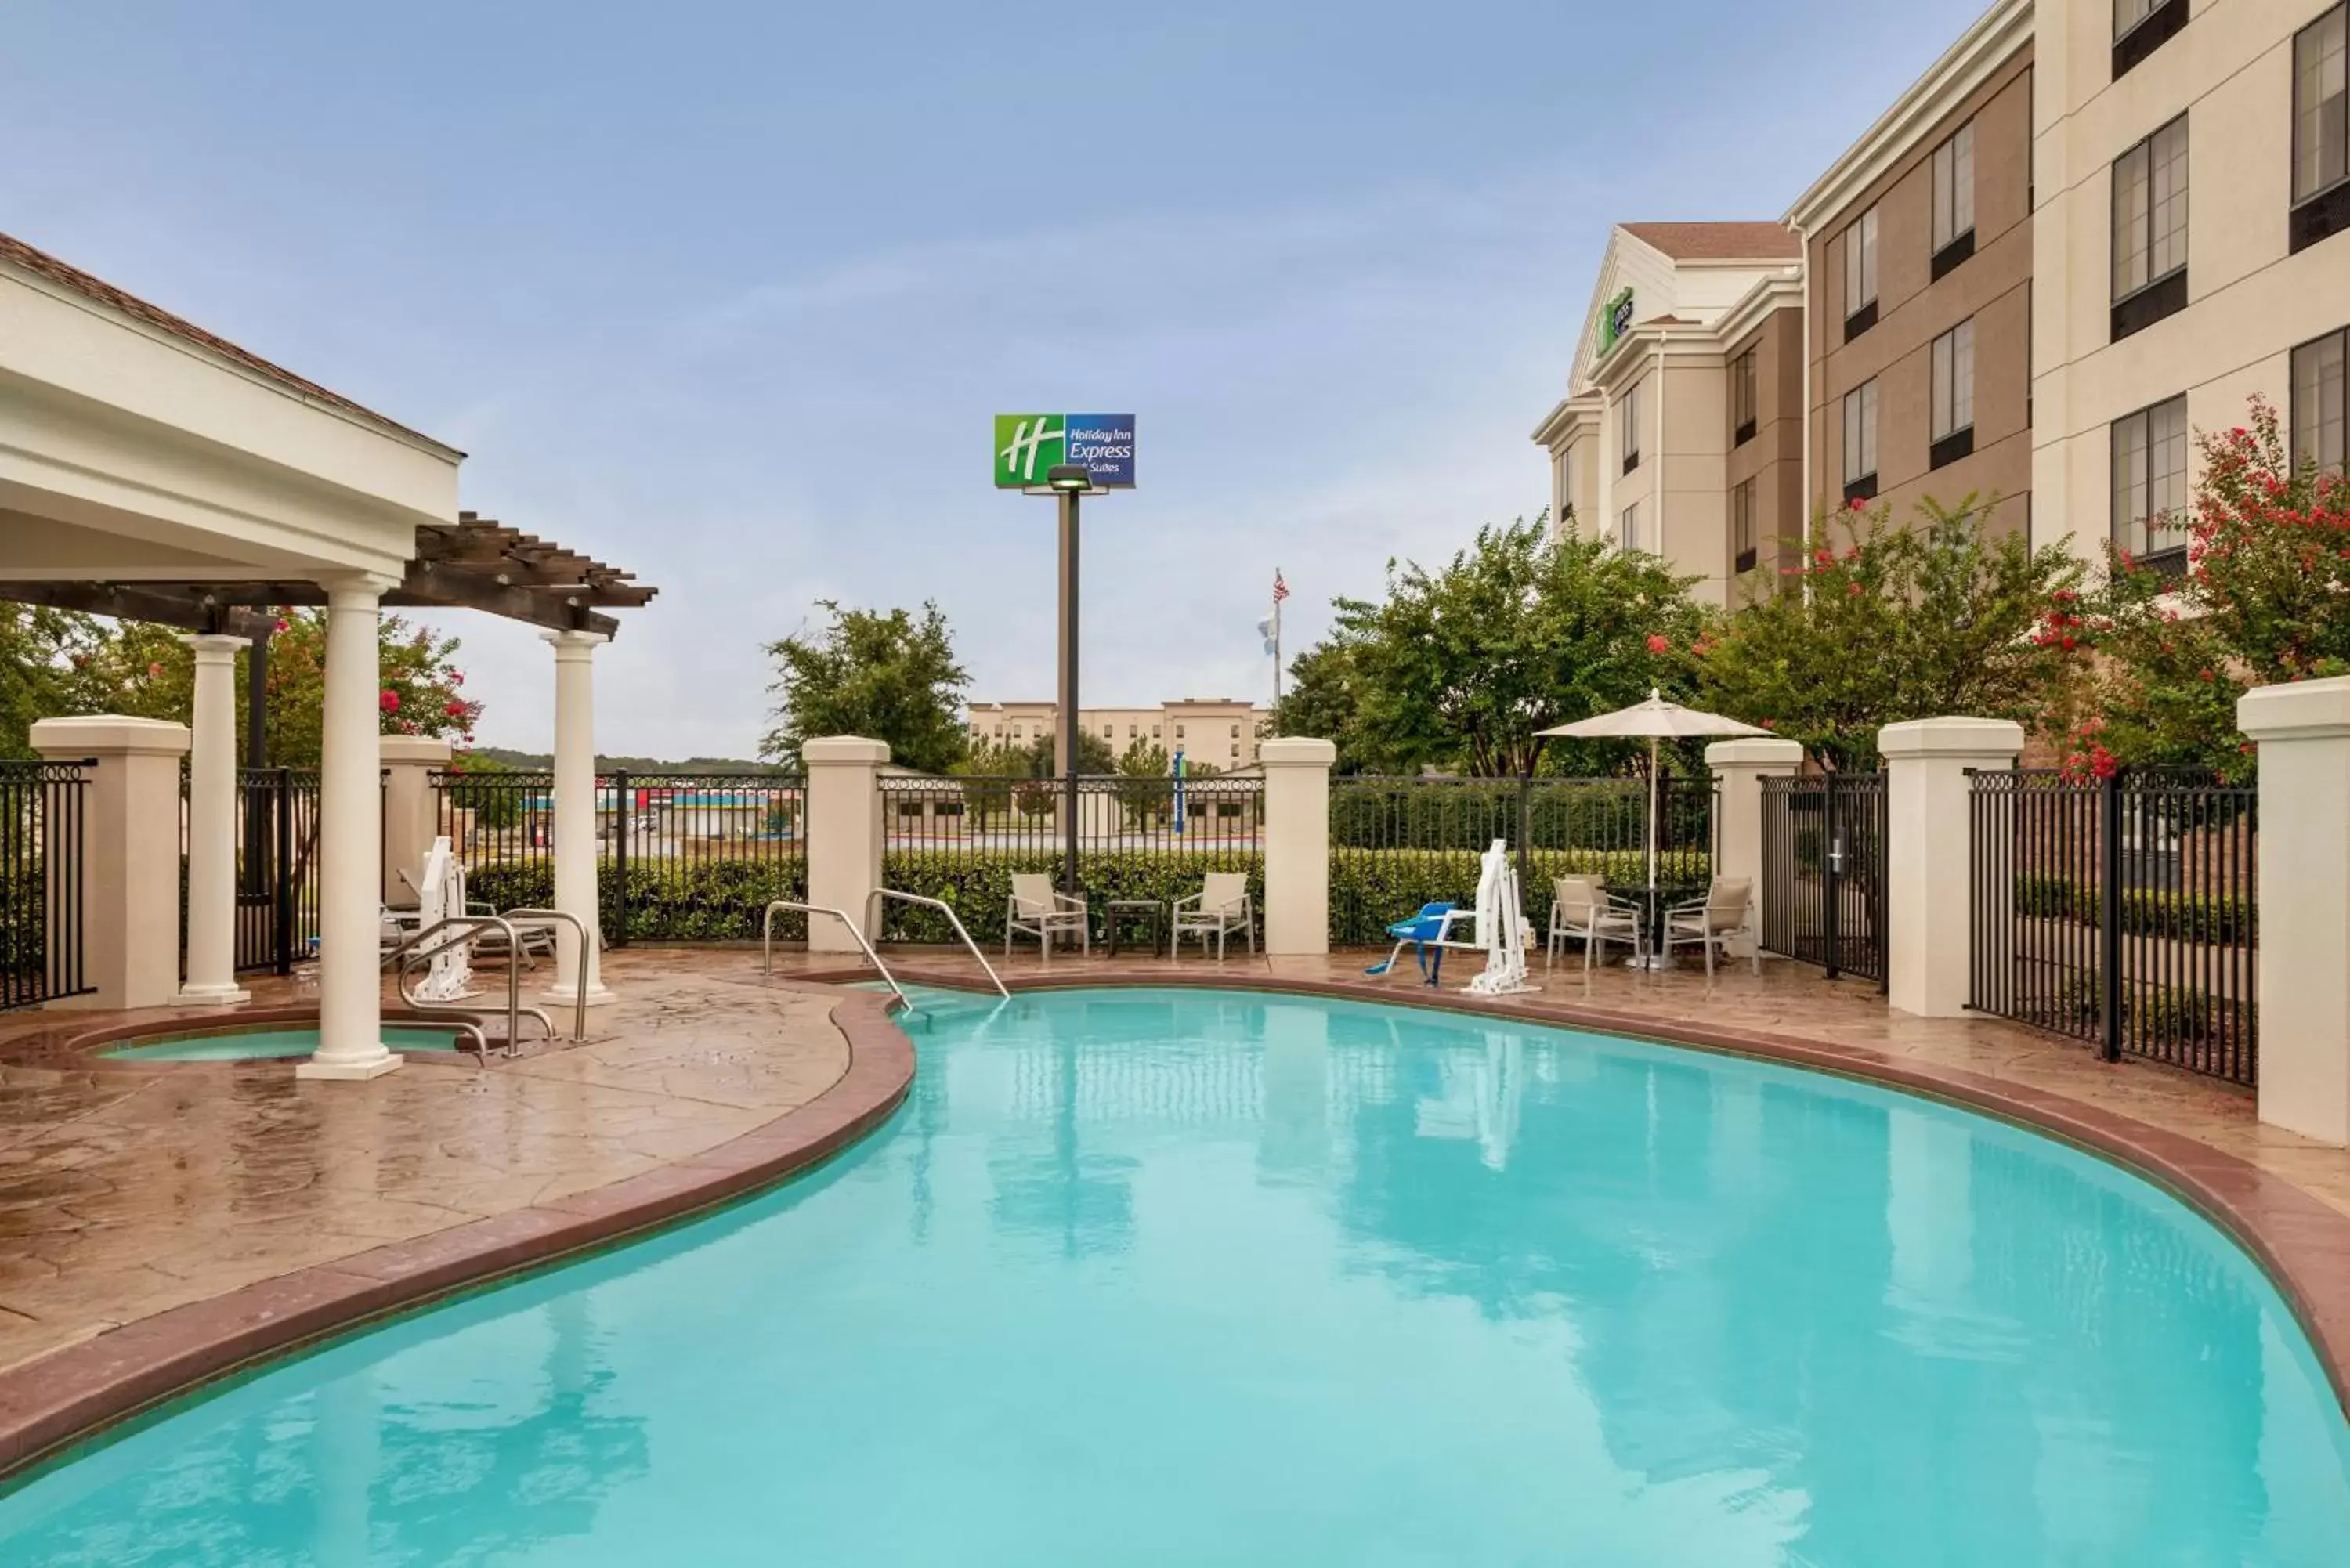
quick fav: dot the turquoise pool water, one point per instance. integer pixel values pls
(1218, 1279)
(257, 1044)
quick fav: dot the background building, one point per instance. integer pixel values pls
(1919, 248)
(1222, 731)
(1681, 430)
(2191, 158)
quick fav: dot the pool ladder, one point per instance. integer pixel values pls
(786, 906)
(417, 949)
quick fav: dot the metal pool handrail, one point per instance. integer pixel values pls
(953, 919)
(579, 989)
(411, 951)
(768, 941)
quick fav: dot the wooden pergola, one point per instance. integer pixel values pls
(476, 563)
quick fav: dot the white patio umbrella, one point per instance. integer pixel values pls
(1657, 719)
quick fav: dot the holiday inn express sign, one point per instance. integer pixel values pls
(1027, 446)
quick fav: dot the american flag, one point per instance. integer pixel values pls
(1280, 589)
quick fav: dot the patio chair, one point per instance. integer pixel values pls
(1221, 907)
(1035, 908)
(1580, 907)
(1726, 911)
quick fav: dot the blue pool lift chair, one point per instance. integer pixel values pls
(1428, 932)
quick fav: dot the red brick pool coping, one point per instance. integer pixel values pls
(53, 1401)
(60, 1399)
(2302, 1243)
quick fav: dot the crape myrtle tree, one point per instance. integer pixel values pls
(1457, 668)
(1883, 622)
(889, 675)
(2264, 598)
(145, 671)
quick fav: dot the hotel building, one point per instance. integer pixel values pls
(1222, 731)
(2092, 229)
(1681, 431)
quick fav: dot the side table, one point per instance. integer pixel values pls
(1148, 914)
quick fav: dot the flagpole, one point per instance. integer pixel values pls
(1276, 642)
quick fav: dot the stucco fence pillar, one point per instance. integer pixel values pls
(2302, 862)
(412, 812)
(1738, 769)
(1297, 846)
(1930, 932)
(844, 832)
(129, 879)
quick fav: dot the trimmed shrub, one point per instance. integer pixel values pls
(1372, 890)
(977, 885)
(713, 900)
(2144, 912)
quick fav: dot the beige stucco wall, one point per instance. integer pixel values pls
(2249, 300)
(1774, 456)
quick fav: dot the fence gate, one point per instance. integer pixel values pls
(277, 867)
(43, 807)
(1824, 872)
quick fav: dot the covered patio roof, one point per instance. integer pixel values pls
(476, 563)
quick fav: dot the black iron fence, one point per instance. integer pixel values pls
(2120, 911)
(679, 857)
(43, 814)
(961, 839)
(277, 867)
(1398, 843)
(1823, 841)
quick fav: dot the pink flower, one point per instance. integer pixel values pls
(389, 702)
(454, 710)
(456, 678)
(154, 669)
(284, 625)
(1658, 644)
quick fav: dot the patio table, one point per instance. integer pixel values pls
(1652, 903)
(1148, 913)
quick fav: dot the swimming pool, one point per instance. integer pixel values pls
(1191, 1277)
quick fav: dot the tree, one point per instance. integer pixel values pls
(886, 675)
(985, 768)
(1322, 700)
(145, 670)
(1886, 623)
(1145, 789)
(2265, 598)
(1458, 667)
(1093, 756)
(45, 656)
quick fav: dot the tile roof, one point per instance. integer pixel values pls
(42, 263)
(1721, 242)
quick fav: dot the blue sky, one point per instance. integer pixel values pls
(726, 293)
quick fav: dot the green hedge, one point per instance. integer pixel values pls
(1372, 890)
(668, 901)
(1594, 814)
(977, 884)
(2173, 917)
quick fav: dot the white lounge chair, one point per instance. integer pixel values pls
(1221, 907)
(1580, 907)
(1726, 912)
(1037, 909)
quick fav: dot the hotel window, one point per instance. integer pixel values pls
(1741, 399)
(2150, 481)
(1861, 276)
(1954, 200)
(1565, 485)
(2142, 26)
(1860, 442)
(1179, 732)
(1236, 732)
(2321, 395)
(2321, 130)
(1954, 394)
(1741, 525)
(1627, 423)
(2150, 230)
(1628, 536)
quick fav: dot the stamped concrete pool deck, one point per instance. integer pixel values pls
(161, 1223)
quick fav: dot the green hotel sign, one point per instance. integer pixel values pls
(1028, 446)
(1614, 320)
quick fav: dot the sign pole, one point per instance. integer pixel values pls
(1068, 499)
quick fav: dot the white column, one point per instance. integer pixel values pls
(1297, 846)
(575, 816)
(1738, 769)
(844, 832)
(2303, 881)
(1929, 936)
(212, 825)
(351, 851)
